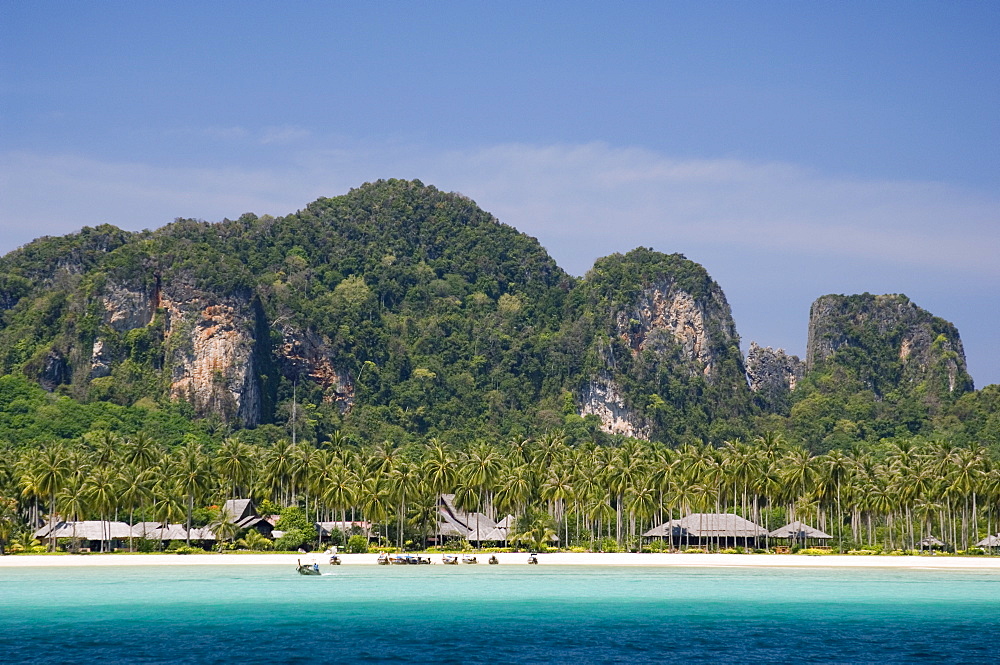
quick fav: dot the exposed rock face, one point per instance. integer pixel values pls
(211, 354)
(665, 315)
(772, 370)
(902, 344)
(128, 308)
(55, 372)
(603, 398)
(772, 375)
(100, 360)
(306, 355)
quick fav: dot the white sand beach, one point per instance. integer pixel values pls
(520, 558)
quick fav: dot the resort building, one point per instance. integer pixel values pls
(798, 533)
(243, 513)
(709, 530)
(88, 535)
(348, 528)
(474, 527)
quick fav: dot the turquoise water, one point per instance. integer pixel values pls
(495, 614)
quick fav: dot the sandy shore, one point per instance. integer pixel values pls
(553, 559)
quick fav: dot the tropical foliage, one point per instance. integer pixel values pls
(585, 494)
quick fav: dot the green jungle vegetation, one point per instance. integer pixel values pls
(462, 335)
(590, 496)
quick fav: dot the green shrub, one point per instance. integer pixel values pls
(291, 540)
(357, 545)
(607, 545)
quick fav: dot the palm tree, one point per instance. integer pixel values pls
(50, 471)
(235, 464)
(191, 471)
(72, 503)
(102, 492)
(136, 489)
(535, 529)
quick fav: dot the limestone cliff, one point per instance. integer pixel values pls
(664, 315)
(772, 375)
(672, 350)
(889, 342)
(602, 397)
(306, 355)
(210, 356)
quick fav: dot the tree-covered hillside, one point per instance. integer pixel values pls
(400, 312)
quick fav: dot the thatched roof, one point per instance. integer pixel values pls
(495, 535)
(799, 531)
(709, 525)
(930, 541)
(326, 528)
(179, 532)
(86, 530)
(458, 523)
(989, 541)
(239, 509)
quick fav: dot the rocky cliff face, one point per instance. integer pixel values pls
(602, 398)
(665, 315)
(890, 341)
(672, 350)
(772, 375)
(306, 355)
(211, 356)
(213, 349)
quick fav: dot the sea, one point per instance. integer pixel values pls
(496, 614)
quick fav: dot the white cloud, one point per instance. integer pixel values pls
(775, 235)
(591, 196)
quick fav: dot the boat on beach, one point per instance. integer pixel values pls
(409, 560)
(449, 559)
(469, 558)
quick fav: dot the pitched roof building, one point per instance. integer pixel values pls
(799, 531)
(709, 529)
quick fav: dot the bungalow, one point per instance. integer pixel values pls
(798, 533)
(709, 529)
(348, 528)
(243, 513)
(88, 534)
(453, 522)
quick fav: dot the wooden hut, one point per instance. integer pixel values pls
(244, 515)
(89, 535)
(799, 533)
(931, 543)
(989, 541)
(454, 522)
(709, 530)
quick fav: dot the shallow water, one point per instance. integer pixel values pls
(490, 614)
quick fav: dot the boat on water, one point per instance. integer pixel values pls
(469, 558)
(308, 569)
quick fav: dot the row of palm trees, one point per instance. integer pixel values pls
(887, 499)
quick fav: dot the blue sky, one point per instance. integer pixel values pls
(794, 149)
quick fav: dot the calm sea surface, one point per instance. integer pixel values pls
(496, 614)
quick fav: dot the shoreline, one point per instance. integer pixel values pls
(521, 558)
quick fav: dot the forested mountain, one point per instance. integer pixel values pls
(399, 312)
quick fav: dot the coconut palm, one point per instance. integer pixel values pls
(191, 471)
(49, 472)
